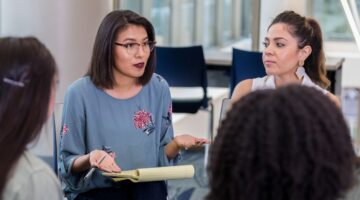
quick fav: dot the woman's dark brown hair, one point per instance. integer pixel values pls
(308, 32)
(286, 144)
(27, 71)
(102, 60)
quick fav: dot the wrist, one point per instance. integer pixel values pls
(176, 143)
(88, 159)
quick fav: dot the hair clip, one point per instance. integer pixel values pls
(14, 83)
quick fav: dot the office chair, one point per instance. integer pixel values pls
(245, 65)
(185, 70)
(224, 108)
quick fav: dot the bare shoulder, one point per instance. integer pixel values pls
(241, 89)
(334, 99)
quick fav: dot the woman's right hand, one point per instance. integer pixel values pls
(103, 161)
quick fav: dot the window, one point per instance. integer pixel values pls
(209, 17)
(183, 22)
(332, 19)
(227, 21)
(188, 22)
(160, 18)
(134, 5)
(246, 19)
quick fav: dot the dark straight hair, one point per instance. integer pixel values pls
(308, 32)
(27, 72)
(102, 60)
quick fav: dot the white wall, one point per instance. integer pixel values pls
(351, 72)
(67, 27)
(351, 66)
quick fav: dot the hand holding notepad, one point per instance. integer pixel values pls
(153, 174)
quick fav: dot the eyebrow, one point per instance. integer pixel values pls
(276, 38)
(134, 40)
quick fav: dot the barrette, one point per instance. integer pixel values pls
(13, 82)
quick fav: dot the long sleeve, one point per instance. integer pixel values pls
(72, 143)
(135, 130)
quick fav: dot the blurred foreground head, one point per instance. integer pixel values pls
(291, 143)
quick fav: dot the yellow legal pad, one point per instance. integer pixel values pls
(154, 174)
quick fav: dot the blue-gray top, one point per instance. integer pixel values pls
(134, 130)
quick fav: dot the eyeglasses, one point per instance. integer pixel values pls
(133, 48)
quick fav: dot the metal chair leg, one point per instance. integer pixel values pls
(210, 109)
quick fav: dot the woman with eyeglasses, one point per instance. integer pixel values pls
(118, 117)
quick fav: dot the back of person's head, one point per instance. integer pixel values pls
(27, 76)
(102, 61)
(308, 32)
(286, 144)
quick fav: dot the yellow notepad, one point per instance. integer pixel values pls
(154, 174)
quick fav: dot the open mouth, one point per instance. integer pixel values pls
(139, 65)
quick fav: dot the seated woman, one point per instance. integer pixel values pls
(28, 78)
(118, 117)
(293, 54)
(286, 144)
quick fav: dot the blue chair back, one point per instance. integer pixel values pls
(245, 65)
(183, 67)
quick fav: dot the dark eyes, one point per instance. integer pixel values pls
(130, 45)
(278, 44)
(265, 44)
(135, 45)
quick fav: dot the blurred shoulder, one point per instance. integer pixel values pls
(334, 99)
(32, 178)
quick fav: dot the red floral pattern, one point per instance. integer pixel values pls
(142, 119)
(65, 129)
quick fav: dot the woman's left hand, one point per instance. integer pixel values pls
(189, 142)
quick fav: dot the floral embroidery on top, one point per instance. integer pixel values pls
(169, 115)
(65, 129)
(143, 120)
(170, 110)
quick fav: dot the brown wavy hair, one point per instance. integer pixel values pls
(286, 144)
